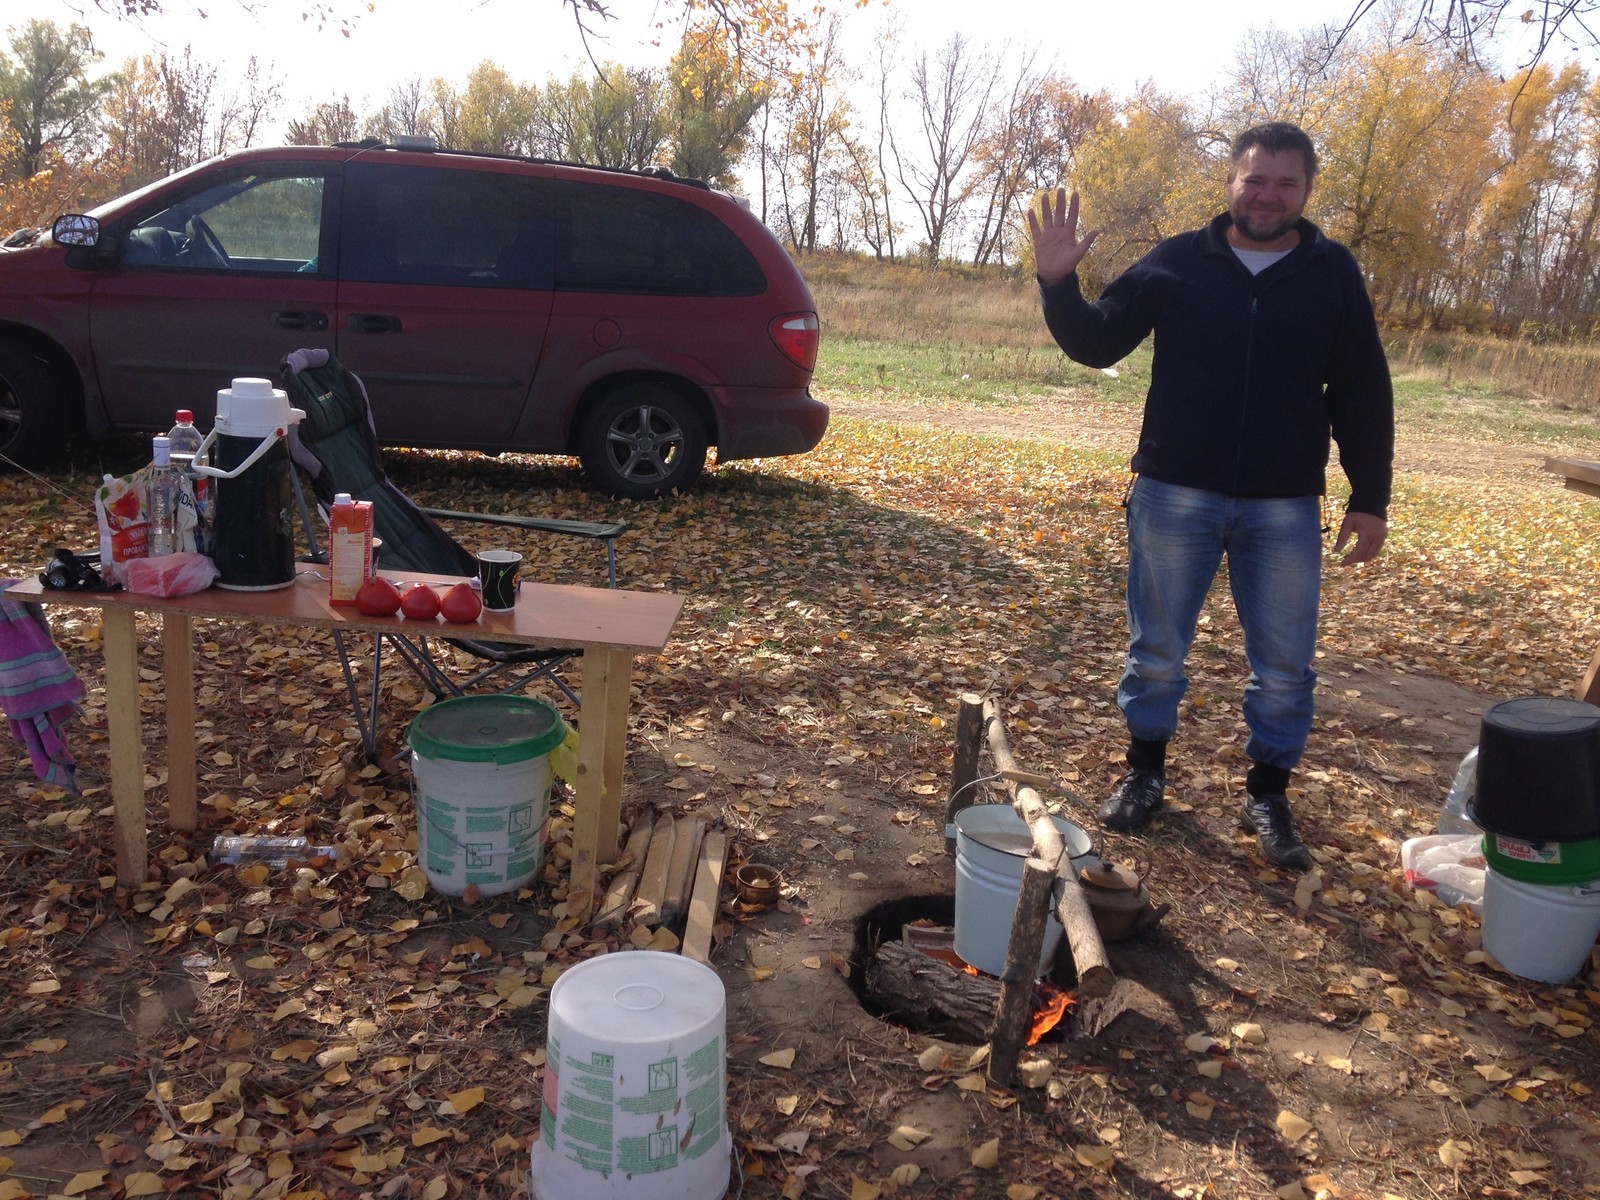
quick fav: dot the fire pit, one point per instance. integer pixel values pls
(905, 971)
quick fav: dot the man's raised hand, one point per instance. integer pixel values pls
(1057, 249)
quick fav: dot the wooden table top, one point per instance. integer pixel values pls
(547, 614)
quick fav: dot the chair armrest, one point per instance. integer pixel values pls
(602, 531)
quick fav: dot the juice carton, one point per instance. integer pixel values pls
(349, 548)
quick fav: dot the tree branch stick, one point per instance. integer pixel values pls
(1072, 909)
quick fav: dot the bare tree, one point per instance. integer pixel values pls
(408, 112)
(887, 65)
(1470, 25)
(1003, 157)
(819, 120)
(951, 94)
(326, 123)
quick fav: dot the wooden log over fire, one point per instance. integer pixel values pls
(1049, 880)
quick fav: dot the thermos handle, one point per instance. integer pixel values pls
(200, 452)
(218, 473)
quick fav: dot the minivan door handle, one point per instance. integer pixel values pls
(372, 323)
(294, 319)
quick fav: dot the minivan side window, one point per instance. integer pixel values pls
(252, 223)
(443, 227)
(619, 239)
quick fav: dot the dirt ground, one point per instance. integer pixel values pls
(1356, 1043)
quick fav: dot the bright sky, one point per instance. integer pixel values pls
(1183, 45)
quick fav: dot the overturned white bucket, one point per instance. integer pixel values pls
(635, 1083)
(992, 843)
(1540, 931)
(480, 773)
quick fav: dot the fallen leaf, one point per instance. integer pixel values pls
(1453, 1153)
(782, 1059)
(1292, 1126)
(908, 1137)
(84, 1181)
(465, 1101)
(987, 1156)
(1100, 1158)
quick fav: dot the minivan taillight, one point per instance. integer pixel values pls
(796, 336)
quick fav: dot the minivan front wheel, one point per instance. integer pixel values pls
(643, 441)
(34, 421)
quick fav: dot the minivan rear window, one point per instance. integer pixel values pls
(618, 239)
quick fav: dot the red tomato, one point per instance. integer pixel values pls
(377, 597)
(420, 602)
(461, 605)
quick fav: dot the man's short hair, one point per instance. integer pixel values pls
(1276, 137)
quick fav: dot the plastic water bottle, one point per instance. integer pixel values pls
(1457, 814)
(185, 439)
(162, 490)
(276, 852)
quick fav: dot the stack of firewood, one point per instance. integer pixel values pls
(669, 877)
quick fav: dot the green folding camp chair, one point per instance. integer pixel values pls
(336, 445)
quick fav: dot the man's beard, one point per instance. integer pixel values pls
(1257, 229)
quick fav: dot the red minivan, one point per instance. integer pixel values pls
(489, 303)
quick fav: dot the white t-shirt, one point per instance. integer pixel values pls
(1257, 261)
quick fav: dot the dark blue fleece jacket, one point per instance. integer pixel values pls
(1252, 373)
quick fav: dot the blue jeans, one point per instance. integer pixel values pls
(1177, 537)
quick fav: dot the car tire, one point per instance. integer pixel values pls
(643, 441)
(34, 416)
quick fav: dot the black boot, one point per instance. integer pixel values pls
(1135, 799)
(1268, 818)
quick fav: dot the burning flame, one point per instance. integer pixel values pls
(1050, 1004)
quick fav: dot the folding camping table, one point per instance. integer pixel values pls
(610, 626)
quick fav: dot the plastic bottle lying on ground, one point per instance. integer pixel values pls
(277, 852)
(1457, 814)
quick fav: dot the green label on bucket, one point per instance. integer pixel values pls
(658, 1151)
(661, 1090)
(585, 1111)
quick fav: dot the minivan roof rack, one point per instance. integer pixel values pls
(427, 144)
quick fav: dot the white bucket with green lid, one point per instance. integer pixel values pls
(480, 774)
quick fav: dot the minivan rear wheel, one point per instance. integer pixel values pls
(34, 420)
(643, 441)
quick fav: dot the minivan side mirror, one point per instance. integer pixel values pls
(75, 229)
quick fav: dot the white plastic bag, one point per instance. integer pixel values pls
(119, 507)
(1450, 865)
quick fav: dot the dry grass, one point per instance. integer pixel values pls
(898, 303)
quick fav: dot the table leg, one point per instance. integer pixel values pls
(1588, 688)
(177, 644)
(602, 745)
(126, 734)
